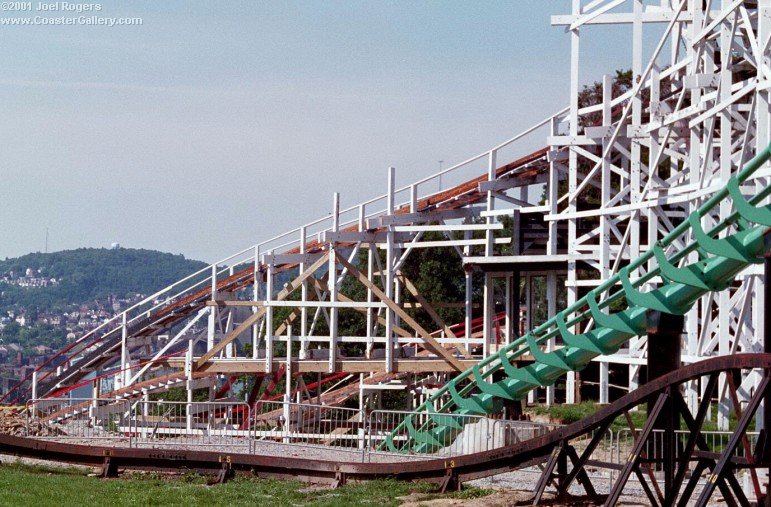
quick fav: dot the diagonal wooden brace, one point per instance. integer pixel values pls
(435, 346)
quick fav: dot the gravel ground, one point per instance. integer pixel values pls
(525, 480)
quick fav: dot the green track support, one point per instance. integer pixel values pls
(724, 251)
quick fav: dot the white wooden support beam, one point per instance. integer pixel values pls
(552, 195)
(211, 327)
(371, 326)
(508, 310)
(389, 283)
(604, 383)
(269, 339)
(124, 353)
(468, 296)
(361, 237)
(189, 385)
(362, 217)
(304, 295)
(292, 258)
(726, 207)
(619, 18)
(288, 385)
(450, 227)
(256, 297)
(531, 395)
(332, 284)
(573, 176)
(422, 217)
(448, 243)
(551, 311)
(607, 90)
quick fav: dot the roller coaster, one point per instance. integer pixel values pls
(650, 203)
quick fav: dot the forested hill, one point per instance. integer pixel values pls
(87, 274)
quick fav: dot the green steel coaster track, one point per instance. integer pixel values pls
(723, 252)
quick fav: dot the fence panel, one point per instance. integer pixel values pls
(509, 432)
(715, 440)
(308, 425)
(83, 420)
(180, 424)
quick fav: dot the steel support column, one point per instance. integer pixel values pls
(664, 356)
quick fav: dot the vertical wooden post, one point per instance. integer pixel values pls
(389, 288)
(332, 284)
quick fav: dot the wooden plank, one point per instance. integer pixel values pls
(448, 227)
(447, 243)
(439, 305)
(228, 302)
(421, 217)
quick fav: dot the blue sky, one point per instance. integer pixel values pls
(214, 125)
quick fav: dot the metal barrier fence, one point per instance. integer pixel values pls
(308, 425)
(716, 441)
(236, 426)
(184, 425)
(80, 419)
(508, 432)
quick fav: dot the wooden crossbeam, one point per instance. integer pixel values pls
(246, 324)
(425, 335)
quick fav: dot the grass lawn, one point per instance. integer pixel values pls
(42, 486)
